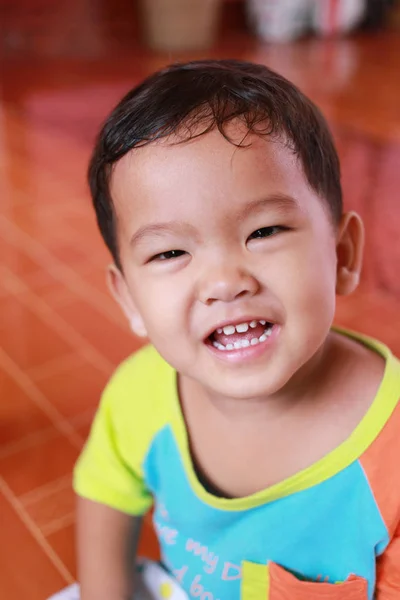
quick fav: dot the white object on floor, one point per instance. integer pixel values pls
(280, 21)
(332, 17)
(69, 593)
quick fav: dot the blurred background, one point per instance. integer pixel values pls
(64, 65)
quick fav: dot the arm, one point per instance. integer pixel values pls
(388, 571)
(106, 546)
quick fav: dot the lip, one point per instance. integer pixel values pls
(242, 319)
(249, 353)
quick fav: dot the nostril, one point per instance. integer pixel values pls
(209, 301)
(242, 293)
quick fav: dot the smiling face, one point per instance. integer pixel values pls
(212, 236)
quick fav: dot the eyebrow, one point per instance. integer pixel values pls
(282, 202)
(160, 229)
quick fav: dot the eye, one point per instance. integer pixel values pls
(264, 232)
(170, 255)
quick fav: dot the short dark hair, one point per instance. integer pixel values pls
(195, 97)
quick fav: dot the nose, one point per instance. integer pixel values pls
(225, 283)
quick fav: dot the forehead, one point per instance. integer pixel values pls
(172, 179)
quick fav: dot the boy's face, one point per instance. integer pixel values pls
(212, 235)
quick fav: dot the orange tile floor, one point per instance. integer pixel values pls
(60, 333)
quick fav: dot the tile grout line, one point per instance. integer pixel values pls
(59, 422)
(36, 533)
(56, 267)
(57, 524)
(78, 342)
(37, 437)
(28, 441)
(55, 366)
(45, 490)
(83, 418)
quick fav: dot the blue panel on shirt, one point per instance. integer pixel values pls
(329, 530)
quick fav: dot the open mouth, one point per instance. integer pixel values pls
(241, 335)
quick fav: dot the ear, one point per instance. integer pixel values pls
(349, 250)
(120, 291)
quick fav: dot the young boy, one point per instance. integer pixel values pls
(267, 442)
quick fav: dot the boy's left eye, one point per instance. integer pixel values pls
(171, 254)
(264, 232)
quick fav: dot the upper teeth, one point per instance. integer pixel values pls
(244, 343)
(240, 328)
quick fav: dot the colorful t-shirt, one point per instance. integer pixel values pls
(331, 531)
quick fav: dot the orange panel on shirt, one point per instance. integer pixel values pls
(385, 483)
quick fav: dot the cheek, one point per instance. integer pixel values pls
(307, 280)
(161, 302)
(163, 306)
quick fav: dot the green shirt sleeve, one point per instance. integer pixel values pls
(109, 470)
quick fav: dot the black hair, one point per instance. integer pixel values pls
(191, 99)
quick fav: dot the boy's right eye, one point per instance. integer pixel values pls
(171, 254)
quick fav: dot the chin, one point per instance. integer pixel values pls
(247, 390)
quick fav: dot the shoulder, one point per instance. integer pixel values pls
(134, 407)
(378, 435)
(139, 395)
(144, 373)
(380, 460)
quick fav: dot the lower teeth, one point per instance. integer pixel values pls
(245, 343)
